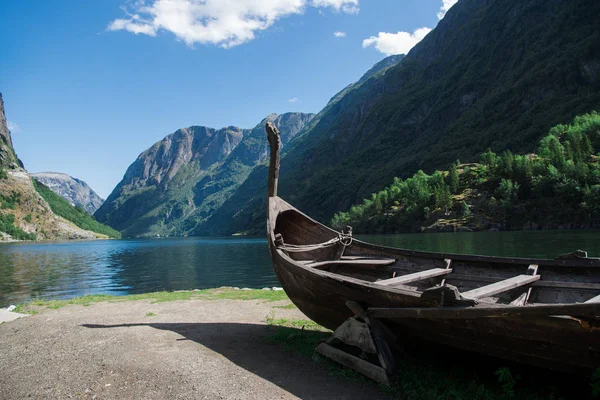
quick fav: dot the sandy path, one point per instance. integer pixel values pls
(196, 349)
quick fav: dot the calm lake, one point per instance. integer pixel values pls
(68, 269)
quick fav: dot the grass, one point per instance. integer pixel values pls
(150, 314)
(287, 307)
(36, 305)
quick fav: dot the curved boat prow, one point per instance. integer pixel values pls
(275, 144)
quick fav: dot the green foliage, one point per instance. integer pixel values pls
(453, 179)
(76, 215)
(11, 201)
(3, 174)
(27, 218)
(508, 382)
(561, 184)
(158, 297)
(596, 383)
(465, 209)
(7, 225)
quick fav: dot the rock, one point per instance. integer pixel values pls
(74, 190)
(277, 289)
(266, 288)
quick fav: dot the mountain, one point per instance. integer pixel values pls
(8, 157)
(28, 212)
(74, 190)
(181, 180)
(492, 74)
(557, 187)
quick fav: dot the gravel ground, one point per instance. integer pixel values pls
(194, 349)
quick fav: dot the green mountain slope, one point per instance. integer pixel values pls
(76, 215)
(178, 183)
(492, 74)
(557, 187)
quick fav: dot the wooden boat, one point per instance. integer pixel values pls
(536, 311)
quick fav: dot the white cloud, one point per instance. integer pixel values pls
(12, 127)
(446, 4)
(347, 6)
(339, 34)
(396, 43)
(224, 23)
(294, 100)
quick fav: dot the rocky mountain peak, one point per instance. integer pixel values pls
(74, 190)
(8, 157)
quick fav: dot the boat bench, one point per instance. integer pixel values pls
(502, 286)
(415, 277)
(351, 260)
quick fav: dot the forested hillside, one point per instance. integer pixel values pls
(492, 74)
(557, 187)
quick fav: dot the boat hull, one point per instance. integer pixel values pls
(564, 344)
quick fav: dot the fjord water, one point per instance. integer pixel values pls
(68, 269)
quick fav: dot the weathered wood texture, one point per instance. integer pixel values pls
(502, 286)
(417, 276)
(515, 318)
(275, 144)
(364, 367)
(594, 299)
(590, 310)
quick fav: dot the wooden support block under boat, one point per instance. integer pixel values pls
(365, 337)
(372, 371)
(502, 286)
(417, 276)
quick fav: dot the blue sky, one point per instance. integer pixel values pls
(90, 85)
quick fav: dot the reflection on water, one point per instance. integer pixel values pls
(537, 244)
(68, 269)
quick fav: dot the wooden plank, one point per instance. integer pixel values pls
(364, 367)
(502, 286)
(417, 276)
(365, 262)
(521, 300)
(591, 310)
(524, 297)
(545, 283)
(594, 299)
(448, 262)
(344, 258)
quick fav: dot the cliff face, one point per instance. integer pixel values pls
(8, 157)
(179, 182)
(492, 74)
(74, 190)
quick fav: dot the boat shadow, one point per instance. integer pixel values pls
(251, 347)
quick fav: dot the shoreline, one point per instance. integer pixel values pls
(189, 344)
